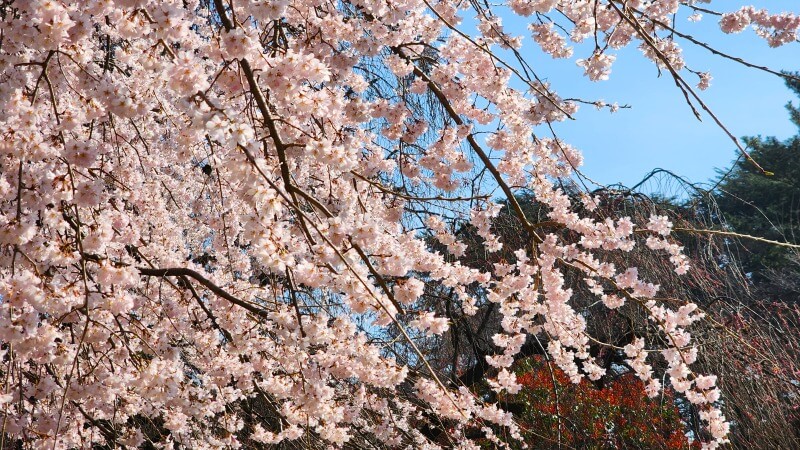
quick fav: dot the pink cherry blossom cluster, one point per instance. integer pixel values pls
(206, 204)
(550, 40)
(776, 29)
(598, 66)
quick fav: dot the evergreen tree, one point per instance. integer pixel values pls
(765, 206)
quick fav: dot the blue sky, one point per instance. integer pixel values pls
(660, 130)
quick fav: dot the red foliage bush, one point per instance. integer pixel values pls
(617, 415)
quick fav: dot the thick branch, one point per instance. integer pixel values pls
(183, 272)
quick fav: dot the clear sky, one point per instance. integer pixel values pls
(660, 130)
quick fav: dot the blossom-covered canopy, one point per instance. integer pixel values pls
(213, 209)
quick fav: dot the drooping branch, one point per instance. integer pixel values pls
(184, 272)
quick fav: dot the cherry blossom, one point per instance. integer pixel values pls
(209, 208)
